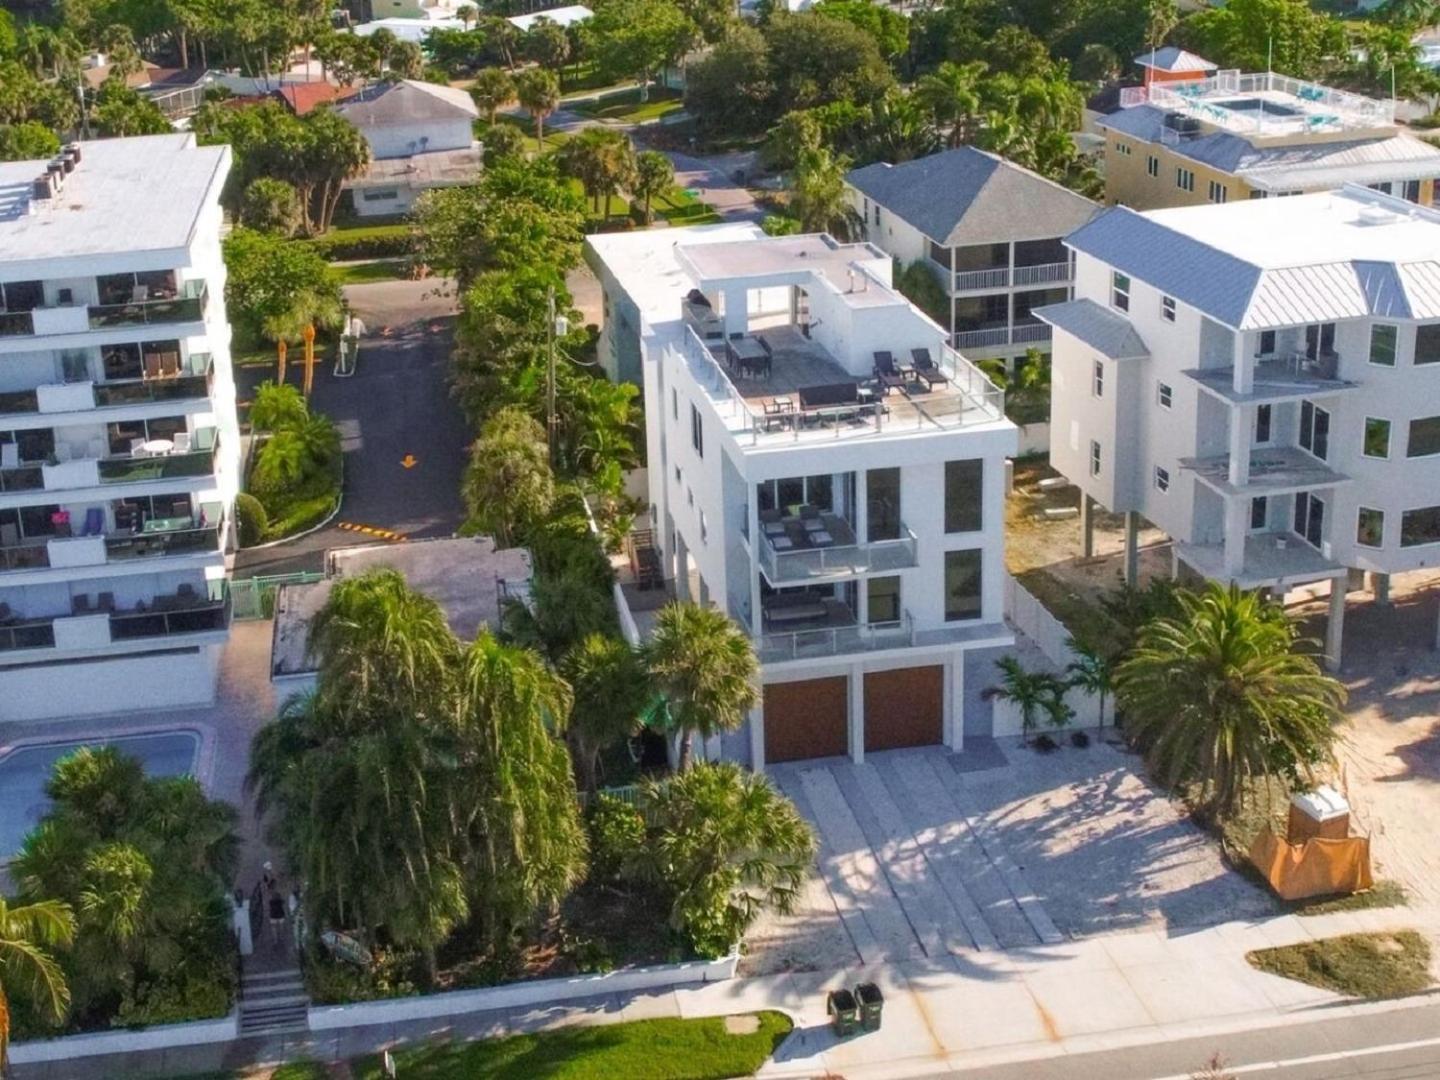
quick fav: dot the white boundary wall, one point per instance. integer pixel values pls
(162, 1037)
(515, 995)
(1048, 634)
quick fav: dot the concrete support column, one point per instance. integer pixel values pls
(757, 738)
(1380, 586)
(1335, 625)
(1087, 526)
(1132, 549)
(955, 695)
(1237, 518)
(737, 318)
(1242, 420)
(682, 569)
(857, 714)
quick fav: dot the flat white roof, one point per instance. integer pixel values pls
(777, 259)
(1304, 230)
(647, 266)
(125, 195)
(561, 16)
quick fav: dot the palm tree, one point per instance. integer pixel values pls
(1221, 696)
(306, 308)
(1091, 671)
(539, 93)
(564, 608)
(653, 176)
(276, 406)
(817, 195)
(602, 160)
(1037, 694)
(27, 934)
(951, 94)
(493, 89)
(611, 689)
(705, 667)
(725, 845)
(516, 790)
(508, 484)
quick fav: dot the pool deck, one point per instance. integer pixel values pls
(244, 702)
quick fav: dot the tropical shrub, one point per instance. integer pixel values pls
(251, 521)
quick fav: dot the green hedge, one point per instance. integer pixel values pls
(300, 515)
(382, 242)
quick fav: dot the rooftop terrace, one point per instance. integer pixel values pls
(1263, 105)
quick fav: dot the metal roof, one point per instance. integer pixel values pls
(1104, 331)
(1260, 265)
(1171, 58)
(407, 101)
(968, 196)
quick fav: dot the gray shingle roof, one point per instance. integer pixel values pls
(967, 196)
(407, 101)
(1104, 331)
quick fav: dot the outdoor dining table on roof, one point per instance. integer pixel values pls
(748, 355)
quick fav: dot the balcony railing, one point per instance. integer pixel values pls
(28, 555)
(22, 478)
(16, 324)
(19, 401)
(198, 618)
(29, 634)
(991, 337)
(148, 545)
(187, 308)
(971, 280)
(802, 644)
(816, 562)
(1027, 333)
(1042, 273)
(133, 470)
(146, 391)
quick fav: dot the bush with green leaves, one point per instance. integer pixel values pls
(617, 836)
(295, 473)
(251, 521)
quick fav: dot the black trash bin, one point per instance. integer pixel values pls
(872, 1003)
(843, 1012)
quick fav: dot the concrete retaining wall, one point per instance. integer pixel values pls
(515, 995)
(161, 1037)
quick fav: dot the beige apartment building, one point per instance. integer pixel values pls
(1233, 136)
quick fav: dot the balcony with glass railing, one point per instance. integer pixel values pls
(802, 627)
(173, 615)
(187, 306)
(824, 545)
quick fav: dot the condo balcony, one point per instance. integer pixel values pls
(193, 382)
(814, 544)
(97, 619)
(181, 455)
(1290, 377)
(1273, 471)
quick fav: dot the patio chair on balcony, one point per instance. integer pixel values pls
(181, 442)
(94, 522)
(80, 605)
(887, 374)
(926, 369)
(137, 448)
(105, 602)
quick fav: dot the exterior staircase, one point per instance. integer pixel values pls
(273, 1002)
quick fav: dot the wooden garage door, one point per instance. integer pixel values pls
(806, 719)
(904, 707)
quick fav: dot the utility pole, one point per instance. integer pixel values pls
(550, 373)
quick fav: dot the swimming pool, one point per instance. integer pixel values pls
(24, 772)
(1256, 105)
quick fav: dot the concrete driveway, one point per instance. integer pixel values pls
(396, 406)
(927, 855)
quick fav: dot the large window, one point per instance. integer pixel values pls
(962, 585)
(1264, 415)
(1310, 517)
(1319, 340)
(1420, 526)
(1377, 437)
(964, 495)
(1259, 512)
(21, 295)
(1094, 458)
(1382, 344)
(1427, 344)
(1315, 430)
(697, 432)
(883, 596)
(1424, 437)
(1370, 527)
(882, 505)
(1120, 290)
(1164, 395)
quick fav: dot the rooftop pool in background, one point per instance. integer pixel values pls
(25, 770)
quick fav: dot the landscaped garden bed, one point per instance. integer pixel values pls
(295, 470)
(1372, 966)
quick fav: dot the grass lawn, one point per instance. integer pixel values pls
(1359, 965)
(643, 1050)
(553, 140)
(367, 272)
(678, 207)
(358, 229)
(628, 108)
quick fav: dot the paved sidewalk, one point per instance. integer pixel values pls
(954, 1012)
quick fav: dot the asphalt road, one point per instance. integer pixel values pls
(397, 404)
(1401, 1044)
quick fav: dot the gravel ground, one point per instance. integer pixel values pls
(1104, 851)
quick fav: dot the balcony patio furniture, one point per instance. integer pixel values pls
(828, 395)
(926, 369)
(80, 605)
(185, 591)
(887, 374)
(788, 610)
(105, 602)
(181, 443)
(782, 542)
(137, 447)
(158, 447)
(821, 538)
(94, 522)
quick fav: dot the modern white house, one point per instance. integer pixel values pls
(987, 229)
(119, 448)
(421, 136)
(1261, 381)
(825, 469)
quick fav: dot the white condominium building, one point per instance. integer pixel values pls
(825, 469)
(119, 451)
(1262, 381)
